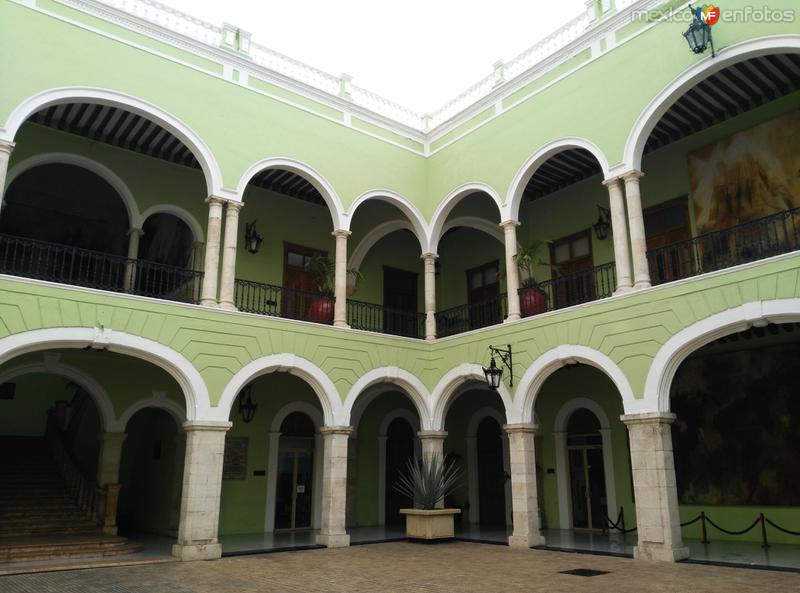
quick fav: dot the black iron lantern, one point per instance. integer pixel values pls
(494, 373)
(603, 224)
(252, 240)
(698, 35)
(247, 408)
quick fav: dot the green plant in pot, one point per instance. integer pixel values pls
(532, 299)
(324, 273)
(427, 482)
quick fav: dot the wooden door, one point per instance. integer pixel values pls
(572, 262)
(399, 302)
(298, 282)
(483, 290)
(667, 224)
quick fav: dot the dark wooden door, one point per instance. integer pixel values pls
(483, 290)
(668, 224)
(399, 302)
(298, 281)
(572, 261)
(491, 475)
(399, 450)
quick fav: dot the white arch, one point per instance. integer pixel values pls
(406, 381)
(316, 378)
(551, 361)
(306, 172)
(658, 106)
(446, 206)
(178, 212)
(67, 158)
(304, 407)
(158, 401)
(172, 124)
(406, 206)
(479, 415)
(479, 224)
(52, 366)
(372, 237)
(191, 383)
(446, 391)
(681, 345)
(536, 160)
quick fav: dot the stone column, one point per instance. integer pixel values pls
(211, 267)
(432, 442)
(352, 482)
(429, 260)
(619, 233)
(228, 278)
(512, 271)
(657, 521)
(5, 156)
(109, 458)
(641, 271)
(334, 487)
(133, 258)
(202, 483)
(524, 499)
(340, 279)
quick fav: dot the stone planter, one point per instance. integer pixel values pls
(430, 524)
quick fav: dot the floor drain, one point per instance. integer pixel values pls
(584, 572)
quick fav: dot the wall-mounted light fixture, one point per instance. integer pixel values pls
(603, 224)
(494, 373)
(698, 35)
(247, 407)
(252, 240)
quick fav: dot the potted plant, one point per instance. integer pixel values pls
(532, 299)
(427, 482)
(324, 271)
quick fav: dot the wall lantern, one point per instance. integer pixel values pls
(247, 408)
(698, 35)
(252, 240)
(493, 372)
(603, 224)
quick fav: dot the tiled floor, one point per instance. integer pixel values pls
(400, 567)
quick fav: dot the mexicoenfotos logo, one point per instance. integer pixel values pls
(708, 14)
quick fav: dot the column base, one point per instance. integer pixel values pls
(660, 552)
(641, 285)
(512, 317)
(623, 290)
(227, 306)
(340, 323)
(430, 338)
(110, 529)
(525, 541)
(339, 540)
(209, 303)
(189, 552)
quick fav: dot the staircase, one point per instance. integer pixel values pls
(38, 518)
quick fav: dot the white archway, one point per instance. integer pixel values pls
(560, 356)
(562, 458)
(660, 104)
(447, 390)
(48, 98)
(536, 160)
(477, 223)
(385, 376)
(383, 429)
(308, 173)
(194, 389)
(372, 237)
(675, 350)
(473, 482)
(316, 378)
(67, 158)
(406, 206)
(436, 228)
(178, 212)
(159, 401)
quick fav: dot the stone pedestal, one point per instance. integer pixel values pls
(619, 234)
(109, 458)
(202, 482)
(334, 487)
(524, 501)
(641, 270)
(512, 271)
(208, 296)
(340, 279)
(657, 519)
(429, 260)
(228, 278)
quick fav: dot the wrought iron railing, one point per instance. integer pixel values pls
(278, 301)
(81, 486)
(31, 258)
(385, 320)
(457, 320)
(567, 290)
(746, 242)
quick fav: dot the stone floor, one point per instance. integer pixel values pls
(399, 567)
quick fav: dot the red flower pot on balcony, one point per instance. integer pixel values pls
(321, 310)
(532, 301)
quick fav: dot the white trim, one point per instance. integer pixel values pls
(41, 100)
(305, 171)
(675, 350)
(562, 458)
(658, 105)
(158, 401)
(552, 360)
(77, 160)
(194, 389)
(178, 212)
(536, 160)
(52, 366)
(406, 206)
(447, 389)
(396, 377)
(446, 206)
(383, 429)
(473, 486)
(316, 378)
(272, 463)
(479, 224)
(373, 236)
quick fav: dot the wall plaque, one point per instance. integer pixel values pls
(234, 463)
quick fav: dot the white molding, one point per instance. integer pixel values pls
(473, 481)
(194, 389)
(402, 203)
(77, 160)
(373, 236)
(398, 378)
(451, 200)
(383, 428)
(158, 401)
(177, 211)
(552, 360)
(447, 389)
(55, 96)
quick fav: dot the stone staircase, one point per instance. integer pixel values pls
(38, 518)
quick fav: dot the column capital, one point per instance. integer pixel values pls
(135, 231)
(6, 146)
(427, 256)
(233, 206)
(327, 430)
(612, 182)
(207, 425)
(632, 174)
(341, 233)
(528, 428)
(112, 435)
(510, 223)
(648, 418)
(432, 434)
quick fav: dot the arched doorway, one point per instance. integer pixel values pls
(294, 486)
(167, 240)
(491, 474)
(400, 440)
(586, 471)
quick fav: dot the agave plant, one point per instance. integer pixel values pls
(429, 480)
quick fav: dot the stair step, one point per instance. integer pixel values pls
(90, 545)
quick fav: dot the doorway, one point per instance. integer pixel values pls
(586, 471)
(399, 302)
(294, 482)
(399, 451)
(483, 288)
(668, 224)
(299, 283)
(572, 264)
(491, 473)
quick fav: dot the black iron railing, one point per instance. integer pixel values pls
(82, 267)
(567, 290)
(746, 242)
(464, 318)
(385, 320)
(278, 301)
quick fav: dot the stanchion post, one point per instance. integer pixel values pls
(703, 524)
(765, 543)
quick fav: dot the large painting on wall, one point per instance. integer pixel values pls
(748, 175)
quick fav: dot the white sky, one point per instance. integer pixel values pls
(418, 53)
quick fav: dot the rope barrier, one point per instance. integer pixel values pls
(787, 531)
